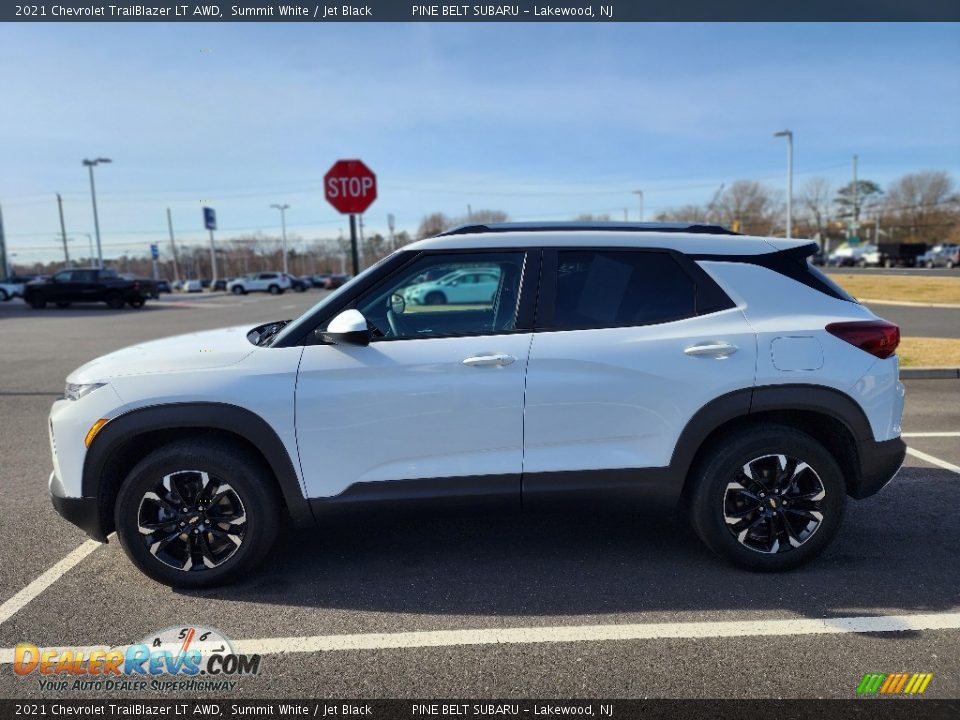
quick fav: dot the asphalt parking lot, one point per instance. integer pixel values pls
(558, 578)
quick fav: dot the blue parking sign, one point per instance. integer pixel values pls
(209, 218)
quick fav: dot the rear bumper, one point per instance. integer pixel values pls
(81, 511)
(879, 463)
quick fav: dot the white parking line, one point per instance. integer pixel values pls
(930, 434)
(19, 601)
(587, 633)
(933, 460)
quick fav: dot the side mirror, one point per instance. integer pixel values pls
(348, 328)
(398, 304)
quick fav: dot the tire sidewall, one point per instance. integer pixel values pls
(721, 467)
(248, 481)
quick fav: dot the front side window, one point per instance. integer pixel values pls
(63, 276)
(447, 295)
(618, 288)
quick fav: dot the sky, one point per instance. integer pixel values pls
(543, 121)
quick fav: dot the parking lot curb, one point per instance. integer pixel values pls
(929, 373)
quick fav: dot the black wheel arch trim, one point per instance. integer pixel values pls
(772, 398)
(201, 415)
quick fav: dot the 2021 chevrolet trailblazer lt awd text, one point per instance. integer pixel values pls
(643, 364)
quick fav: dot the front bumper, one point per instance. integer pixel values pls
(879, 463)
(81, 511)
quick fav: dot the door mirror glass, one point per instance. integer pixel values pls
(348, 328)
(397, 304)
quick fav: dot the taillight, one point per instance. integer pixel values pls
(877, 337)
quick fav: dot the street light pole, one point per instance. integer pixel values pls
(93, 195)
(283, 225)
(788, 134)
(639, 194)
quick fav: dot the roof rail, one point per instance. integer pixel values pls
(589, 226)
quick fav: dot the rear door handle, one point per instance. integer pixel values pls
(715, 350)
(492, 360)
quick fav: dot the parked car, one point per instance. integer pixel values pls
(164, 286)
(458, 288)
(319, 280)
(191, 286)
(14, 285)
(633, 365)
(948, 257)
(298, 284)
(221, 284)
(849, 255)
(90, 285)
(275, 283)
(337, 280)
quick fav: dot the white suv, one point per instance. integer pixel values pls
(271, 282)
(651, 365)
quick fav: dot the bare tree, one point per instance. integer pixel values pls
(925, 202)
(685, 213)
(433, 224)
(748, 206)
(816, 198)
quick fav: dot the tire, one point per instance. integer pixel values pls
(714, 494)
(301, 288)
(136, 304)
(888, 263)
(114, 301)
(238, 290)
(274, 290)
(202, 560)
(63, 304)
(3, 296)
(929, 265)
(435, 298)
(950, 264)
(36, 300)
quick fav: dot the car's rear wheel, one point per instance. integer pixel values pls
(237, 290)
(435, 298)
(36, 301)
(114, 301)
(197, 514)
(767, 499)
(3, 295)
(274, 290)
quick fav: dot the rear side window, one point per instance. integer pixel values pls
(820, 281)
(613, 288)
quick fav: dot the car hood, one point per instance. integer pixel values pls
(193, 351)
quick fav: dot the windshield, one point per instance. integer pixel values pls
(293, 327)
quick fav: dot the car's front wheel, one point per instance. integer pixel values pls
(197, 514)
(237, 290)
(767, 499)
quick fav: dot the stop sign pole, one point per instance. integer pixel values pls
(351, 187)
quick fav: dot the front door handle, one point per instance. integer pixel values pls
(492, 360)
(715, 350)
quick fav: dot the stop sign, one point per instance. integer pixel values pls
(350, 186)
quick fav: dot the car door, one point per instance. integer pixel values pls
(433, 406)
(630, 344)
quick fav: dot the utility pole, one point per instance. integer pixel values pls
(93, 196)
(90, 242)
(639, 194)
(788, 134)
(391, 224)
(856, 195)
(469, 213)
(63, 232)
(173, 247)
(4, 268)
(283, 224)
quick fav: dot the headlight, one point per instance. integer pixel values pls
(75, 392)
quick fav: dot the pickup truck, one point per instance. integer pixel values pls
(90, 285)
(894, 255)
